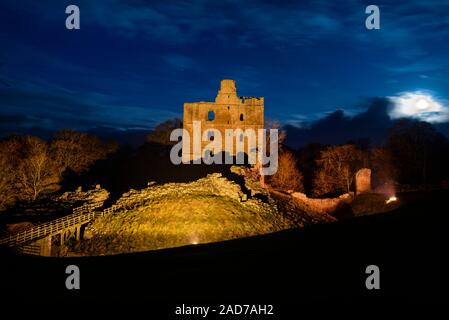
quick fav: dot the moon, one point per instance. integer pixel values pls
(420, 106)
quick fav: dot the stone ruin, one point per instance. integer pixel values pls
(363, 181)
(95, 195)
(228, 111)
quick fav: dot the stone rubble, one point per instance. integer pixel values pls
(214, 184)
(95, 196)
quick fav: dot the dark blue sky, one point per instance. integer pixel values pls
(134, 63)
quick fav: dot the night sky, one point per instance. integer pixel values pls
(134, 63)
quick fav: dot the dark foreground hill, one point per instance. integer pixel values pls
(409, 245)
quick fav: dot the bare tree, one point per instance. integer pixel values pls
(336, 168)
(37, 170)
(382, 165)
(9, 150)
(421, 151)
(78, 151)
(30, 166)
(287, 177)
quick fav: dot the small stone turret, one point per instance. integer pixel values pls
(227, 92)
(363, 181)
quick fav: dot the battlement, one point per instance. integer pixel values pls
(252, 101)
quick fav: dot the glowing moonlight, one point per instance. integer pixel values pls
(420, 106)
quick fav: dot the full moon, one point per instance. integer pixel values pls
(422, 104)
(419, 105)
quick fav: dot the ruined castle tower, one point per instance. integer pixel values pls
(229, 111)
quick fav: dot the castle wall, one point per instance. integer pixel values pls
(229, 112)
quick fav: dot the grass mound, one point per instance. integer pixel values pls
(175, 214)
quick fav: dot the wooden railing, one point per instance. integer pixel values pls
(80, 215)
(31, 249)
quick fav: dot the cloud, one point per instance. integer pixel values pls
(409, 32)
(417, 67)
(179, 61)
(108, 87)
(404, 28)
(181, 22)
(296, 120)
(419, 105)
(323, 22)
(372, 124)
(52, 108)
(339, 127)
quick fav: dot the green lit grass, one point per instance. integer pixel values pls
(173, 221)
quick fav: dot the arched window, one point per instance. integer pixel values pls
(210, 116)
(241, 117)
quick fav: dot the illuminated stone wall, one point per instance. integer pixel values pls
(363, 181)
(229, 111)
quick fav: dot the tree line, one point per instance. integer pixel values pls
(31, 167)
(414, 154)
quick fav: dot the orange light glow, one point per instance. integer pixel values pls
(391, 199)
(194, 239)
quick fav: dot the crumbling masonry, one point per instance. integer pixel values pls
(229, 111)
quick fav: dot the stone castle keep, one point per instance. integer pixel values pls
(229, 111)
